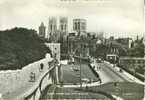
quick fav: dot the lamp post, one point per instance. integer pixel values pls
(80, 69)
(80, 73)
(56, 68)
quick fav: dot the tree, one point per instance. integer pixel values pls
(19, 47)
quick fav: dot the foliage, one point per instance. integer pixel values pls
(137, 50)
(19, 47)
(101, 50)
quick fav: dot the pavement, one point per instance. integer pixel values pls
(124, 74)
(78, 86)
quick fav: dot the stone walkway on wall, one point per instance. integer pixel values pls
(16, 83)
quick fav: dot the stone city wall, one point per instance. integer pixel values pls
(11, 81)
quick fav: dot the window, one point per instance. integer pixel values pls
(61, 27)
(50, 27)
(75, 26)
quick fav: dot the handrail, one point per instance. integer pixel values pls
(45, 76)
(39, 85)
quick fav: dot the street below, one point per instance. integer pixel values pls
(113, 83)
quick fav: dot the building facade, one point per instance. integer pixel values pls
(55, 49)
(63, 25)
(42, 30)
(63, 28)
(127, 42)
(52, 27)
(79, 25)
(112, 53)
(80, 46)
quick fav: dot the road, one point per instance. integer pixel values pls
(61, 93)
(108, 74)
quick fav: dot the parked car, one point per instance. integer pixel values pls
(76, 69)
(85, 80)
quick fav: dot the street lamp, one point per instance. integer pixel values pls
(80, 69)
(80, 73)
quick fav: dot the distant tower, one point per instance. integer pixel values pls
(52, 27)
(129, 43)
(63, 25)
(42, 29)
(79, 25)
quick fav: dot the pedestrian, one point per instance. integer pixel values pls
(41, 67)
(86, 87)
(100, 80)
(32, 77)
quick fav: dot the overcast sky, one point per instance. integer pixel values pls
(122, 16)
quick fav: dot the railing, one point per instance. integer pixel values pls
(36, 93)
